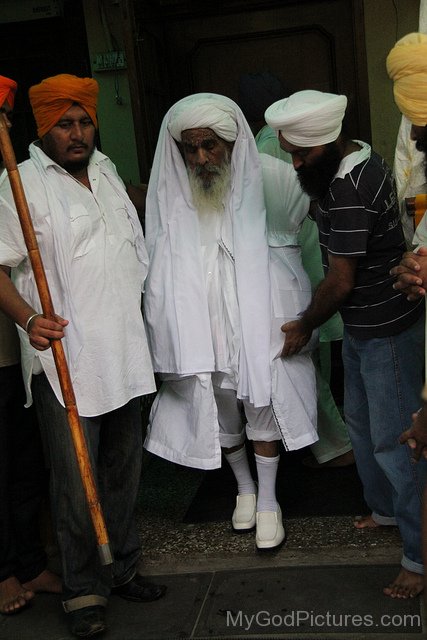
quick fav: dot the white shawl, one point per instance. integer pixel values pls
(176, 308)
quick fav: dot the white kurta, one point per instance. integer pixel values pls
(92, 248)
(294, 395)
(223, 306)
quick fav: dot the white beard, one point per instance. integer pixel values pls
(208, 198)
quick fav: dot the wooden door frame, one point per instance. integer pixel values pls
(176, 11)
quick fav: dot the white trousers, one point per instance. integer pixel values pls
(234, 413)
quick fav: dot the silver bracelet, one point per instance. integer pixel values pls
(27, 324)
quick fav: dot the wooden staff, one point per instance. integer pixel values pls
(56, 345)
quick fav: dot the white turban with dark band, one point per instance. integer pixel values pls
(308, 118)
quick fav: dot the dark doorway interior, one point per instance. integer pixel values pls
(36, 49)
(184, 47)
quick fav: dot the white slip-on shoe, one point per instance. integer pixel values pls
(244, 517)
(270, 532)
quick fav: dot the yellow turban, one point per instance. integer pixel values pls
(54, 96)
(7, 91)
(407, 67)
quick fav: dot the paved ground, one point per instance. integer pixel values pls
(286, 595)
(325, 582)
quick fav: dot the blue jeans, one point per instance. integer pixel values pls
(383, 378)
(114, 442)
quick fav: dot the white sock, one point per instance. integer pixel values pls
(267, 472)
(238, 461)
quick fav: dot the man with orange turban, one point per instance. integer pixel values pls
(7, 92)
(94, 255)
(22, 475)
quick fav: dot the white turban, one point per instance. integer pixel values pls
(204, 111)
(308, 118)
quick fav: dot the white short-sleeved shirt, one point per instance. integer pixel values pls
(113, 363)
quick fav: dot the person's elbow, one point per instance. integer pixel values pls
(343, 289)
(341, 276)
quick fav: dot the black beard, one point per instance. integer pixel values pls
(316, 179)
(420, 148)
(421, 145)
(76, 166)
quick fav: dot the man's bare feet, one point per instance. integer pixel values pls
(45, 582)
(406, 585)
(344, 460)
(13, 596)
(365, 522)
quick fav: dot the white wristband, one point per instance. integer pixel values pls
(27, 324)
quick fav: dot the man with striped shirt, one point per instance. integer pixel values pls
(362, 239)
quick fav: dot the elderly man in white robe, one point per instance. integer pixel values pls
(208, 310)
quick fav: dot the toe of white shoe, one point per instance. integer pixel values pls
(244, 515)
(270, 531)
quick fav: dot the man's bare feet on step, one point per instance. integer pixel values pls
(365, 522)
(45, 582)
(13, 596)
(406, 585)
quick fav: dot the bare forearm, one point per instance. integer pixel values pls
(40, 330)
(11, 302)
(327, 300)
(138, 197)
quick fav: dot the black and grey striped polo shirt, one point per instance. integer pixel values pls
(359, 218)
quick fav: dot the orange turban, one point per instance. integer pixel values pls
(407, 67)
(7, 91)
(54, 96)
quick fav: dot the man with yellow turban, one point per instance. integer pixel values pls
(361, 239)
(94, 255)
(407, 67)
(22, 475)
